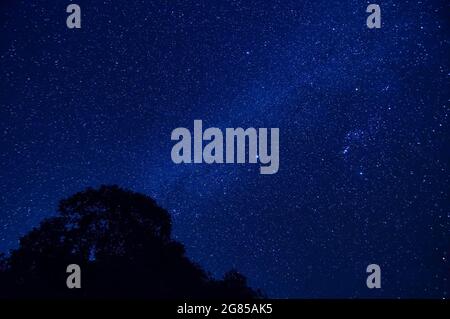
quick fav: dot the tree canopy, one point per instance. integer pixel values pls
(122, 242)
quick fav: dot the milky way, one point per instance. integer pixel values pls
(362, 113)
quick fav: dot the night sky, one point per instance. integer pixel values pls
(363, 117)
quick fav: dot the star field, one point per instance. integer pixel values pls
(363, 118)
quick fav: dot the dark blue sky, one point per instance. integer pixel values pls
(363, 118)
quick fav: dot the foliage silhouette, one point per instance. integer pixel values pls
(121, 240)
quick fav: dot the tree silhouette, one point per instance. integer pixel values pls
(122, 242)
